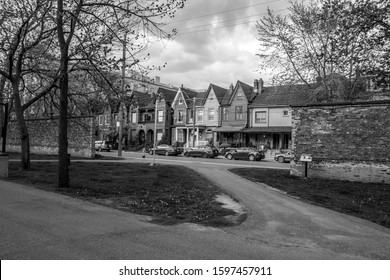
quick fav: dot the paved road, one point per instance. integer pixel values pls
(37, 224)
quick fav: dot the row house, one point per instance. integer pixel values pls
(158, 111)
(188, 121)
(234, 115)
(242, 115)
(270, 119)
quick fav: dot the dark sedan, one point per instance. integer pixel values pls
(164, 149)
(200, 151)
(245, 154)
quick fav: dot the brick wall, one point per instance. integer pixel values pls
(347, 141)
(44, 136)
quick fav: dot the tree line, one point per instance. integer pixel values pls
(58, 52)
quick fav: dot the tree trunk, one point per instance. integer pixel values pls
(2, 87)
(63, 170)
(23, 130)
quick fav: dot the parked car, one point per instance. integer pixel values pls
(245, 154)
(200, 151)
(284, 156)
(164, 149)
(102, 145)
(215, 150)
(224, 148)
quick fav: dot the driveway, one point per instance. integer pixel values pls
(41, 225)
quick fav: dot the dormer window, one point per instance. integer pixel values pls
(180, 100)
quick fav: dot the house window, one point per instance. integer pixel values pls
(261, 117)
(133, 117)
(180, 136)
(160, 116)
(106, 119)
(239, 95)
(285, 113)
(181, 116)
(199, 117)
(211, 114)
(239, 115)
(190, 114)
(225, 114)
(101, 118)
(180, 100)
(159, 135)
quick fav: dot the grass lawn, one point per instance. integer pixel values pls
(170, 194)
(368, 201)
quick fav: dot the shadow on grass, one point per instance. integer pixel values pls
(169, 194)
(370, 201)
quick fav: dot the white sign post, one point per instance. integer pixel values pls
(306, 158)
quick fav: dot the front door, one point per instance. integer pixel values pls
(275, 141)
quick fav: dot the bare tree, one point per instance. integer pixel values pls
(82, 28)
(319, 39)
(24, 25)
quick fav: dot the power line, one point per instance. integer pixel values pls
(226, 11)
(221, 27)
(229, 20)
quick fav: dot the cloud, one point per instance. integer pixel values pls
(222, 53)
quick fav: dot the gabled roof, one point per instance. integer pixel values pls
(284, 95)
(189, 95)
(168, 94)
(247, 89)
(218, 91)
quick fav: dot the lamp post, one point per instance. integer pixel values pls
(4, 127)
(193, 121)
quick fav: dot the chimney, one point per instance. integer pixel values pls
(261, 85)
(231, 89)
(255, 87)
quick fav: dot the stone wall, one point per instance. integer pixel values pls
(44, 136)
(349, 141)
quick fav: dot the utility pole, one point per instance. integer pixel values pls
(193, 121)
(155, 134)
(121, 99)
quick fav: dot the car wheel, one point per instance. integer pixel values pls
(229, 156)
(204, 155)
(151, 152)
(166, 153)
(281, 159)
(251, 157)
(186, 154)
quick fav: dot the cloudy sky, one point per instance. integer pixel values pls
(216, 43)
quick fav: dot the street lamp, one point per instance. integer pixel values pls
(4, 127)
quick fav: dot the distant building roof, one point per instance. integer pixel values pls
(168, 94)
(284, 95)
